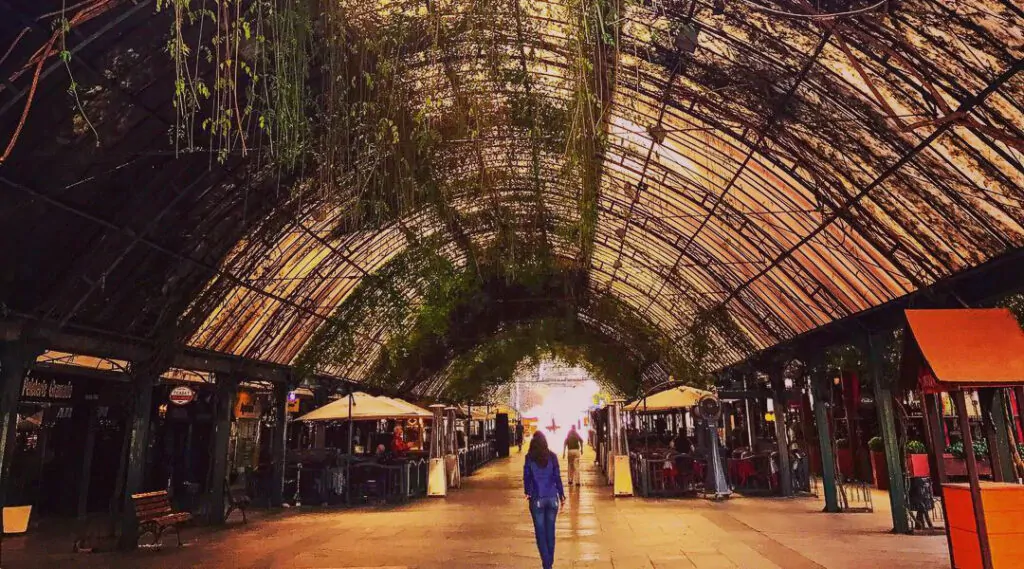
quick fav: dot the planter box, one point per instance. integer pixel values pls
(917, 465)
(880, 470)
(958, 466)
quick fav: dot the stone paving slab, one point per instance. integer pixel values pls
(486, 525)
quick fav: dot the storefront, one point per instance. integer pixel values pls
(180, 441)
(70, 430)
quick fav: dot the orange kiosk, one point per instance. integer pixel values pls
(956, 351)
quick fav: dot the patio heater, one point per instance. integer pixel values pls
(620, 475)
(710, 410)
(451, 449)
(437, 479)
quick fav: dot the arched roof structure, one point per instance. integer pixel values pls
(760, 160)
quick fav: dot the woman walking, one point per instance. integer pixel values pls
(542, 482)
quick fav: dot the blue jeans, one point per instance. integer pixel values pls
(544, 512)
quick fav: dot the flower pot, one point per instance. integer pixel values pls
(917, 465)
(16, 519)
(880, 470)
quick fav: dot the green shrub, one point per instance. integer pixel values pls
(876, 444)
(980, 449)
(916, 447)
(956, 449)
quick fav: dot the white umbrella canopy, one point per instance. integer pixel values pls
(419, 411)
(675, 398)
(365, 407)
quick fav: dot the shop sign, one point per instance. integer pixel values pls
(41, 389)
(248, 406)
(293, 402)
(182, 395)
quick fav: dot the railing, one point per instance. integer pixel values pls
(417, 471)
(477, 455)
(675, 475)
(371, 481)
(853, 496)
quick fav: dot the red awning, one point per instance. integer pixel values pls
(970, 347)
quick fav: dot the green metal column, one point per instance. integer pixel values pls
(782, 430)
(887, 425)
(227, 390)
(144, 379)
(828, 465)
(277, 445)
(993, 414)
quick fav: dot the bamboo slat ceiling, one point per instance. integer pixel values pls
(791, 170)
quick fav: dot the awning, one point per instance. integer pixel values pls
(675, 398)
(968, 347)
(364, 408)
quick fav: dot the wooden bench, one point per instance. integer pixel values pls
(155, 515)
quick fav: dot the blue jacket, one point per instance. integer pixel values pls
(543, 482)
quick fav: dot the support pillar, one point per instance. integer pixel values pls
(820, 390)
(782, 431)
(85, 474)
(15, 359)
(932, 410)
(227, 391)
(749, 412)
(887, 426)
(981, 526)
(1018, 395)
(144, 379)
(993, 414)
(277, 445)
(726, 423)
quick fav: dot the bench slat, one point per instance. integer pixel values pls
(155, 507)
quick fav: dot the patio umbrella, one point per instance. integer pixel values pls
(676, 398)
(364, 407)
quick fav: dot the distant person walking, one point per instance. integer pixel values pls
(542, 483)
(519, 435)
(574, 446)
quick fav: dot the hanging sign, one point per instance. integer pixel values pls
(182, 395)
(247, 406)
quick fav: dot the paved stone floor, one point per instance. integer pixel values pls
(486, 524)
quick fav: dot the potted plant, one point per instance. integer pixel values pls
(917, 459)
(879, 468)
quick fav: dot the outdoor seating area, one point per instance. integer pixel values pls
(365, 449)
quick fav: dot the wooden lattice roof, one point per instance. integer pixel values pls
(791, 171)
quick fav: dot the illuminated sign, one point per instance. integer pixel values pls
(182, 395)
